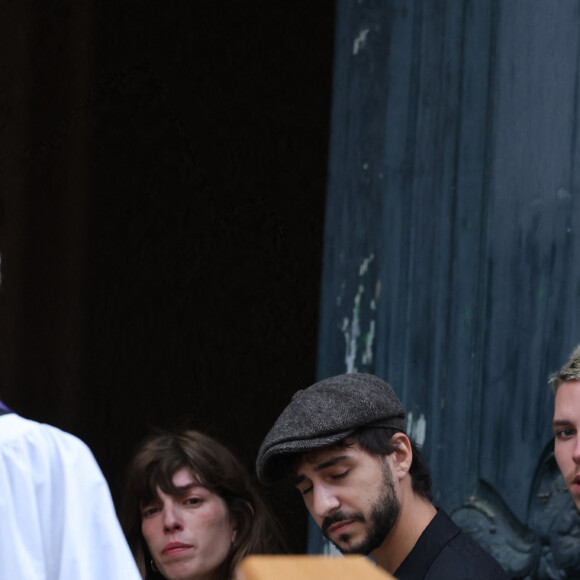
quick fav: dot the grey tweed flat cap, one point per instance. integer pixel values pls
(325, 413)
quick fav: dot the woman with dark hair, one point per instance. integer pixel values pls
(191, 511)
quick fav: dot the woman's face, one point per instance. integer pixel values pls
(188, 535)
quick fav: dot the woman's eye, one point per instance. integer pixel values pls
(193, 501)
(340, 475)
(148, 512)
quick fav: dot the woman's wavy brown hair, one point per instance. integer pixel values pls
(213, 466)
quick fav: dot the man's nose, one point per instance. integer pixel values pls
(576, 451)
(324, 501)
(171, 519)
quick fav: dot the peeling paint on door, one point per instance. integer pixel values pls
(359, 329)
(360, 41)
(417, 429)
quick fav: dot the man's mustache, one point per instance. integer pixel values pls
(339, 516)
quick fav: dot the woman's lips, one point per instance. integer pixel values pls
(174, 548)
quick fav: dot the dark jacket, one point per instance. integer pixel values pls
(444, 552)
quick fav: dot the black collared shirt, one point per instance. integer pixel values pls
(444, 552)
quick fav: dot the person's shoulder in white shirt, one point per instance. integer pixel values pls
(57, 518)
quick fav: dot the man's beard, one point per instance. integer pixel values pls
(382, 517)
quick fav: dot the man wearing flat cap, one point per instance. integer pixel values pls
(342, 443)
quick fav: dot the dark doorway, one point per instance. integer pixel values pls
(163, 187)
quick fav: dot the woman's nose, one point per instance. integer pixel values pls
(171, 519)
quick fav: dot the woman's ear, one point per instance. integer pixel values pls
(402, 457)
(241, 515)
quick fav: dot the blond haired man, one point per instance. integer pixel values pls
(566, 423)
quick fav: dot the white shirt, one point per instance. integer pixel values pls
(57, 519)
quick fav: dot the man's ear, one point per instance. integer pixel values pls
(402, 457)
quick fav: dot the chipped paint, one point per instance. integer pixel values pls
(367, 357)
(417, 429)
(352, 336)
(365, 265)
(346, 334)
(360, 41)
(359, 341)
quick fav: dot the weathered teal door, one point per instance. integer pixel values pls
(452, 249)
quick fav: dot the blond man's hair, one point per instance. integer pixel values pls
(569, 372)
